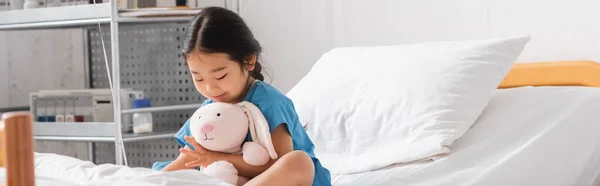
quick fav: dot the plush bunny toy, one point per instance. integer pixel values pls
(223, 127)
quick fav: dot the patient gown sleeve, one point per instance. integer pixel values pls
(282, 112)
(184, 131)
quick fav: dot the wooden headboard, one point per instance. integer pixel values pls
(16, 137)
(560, 73)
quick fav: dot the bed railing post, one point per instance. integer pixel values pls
(16, 133)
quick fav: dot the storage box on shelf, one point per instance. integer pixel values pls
(81, 113)
(86, 115)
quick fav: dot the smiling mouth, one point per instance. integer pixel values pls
(220, 96)
(206, 138)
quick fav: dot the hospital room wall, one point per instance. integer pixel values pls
(3, 71)
(296, 33)
(42, 59)
(39, 59)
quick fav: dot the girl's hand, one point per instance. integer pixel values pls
(203, 157)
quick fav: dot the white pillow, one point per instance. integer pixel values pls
(370, 107)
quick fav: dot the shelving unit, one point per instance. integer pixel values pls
(73, 16)
(67, 16)
(90, 15)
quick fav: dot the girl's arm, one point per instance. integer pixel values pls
(282, 142)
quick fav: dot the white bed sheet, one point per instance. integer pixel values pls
(526, 136)
(58, 170)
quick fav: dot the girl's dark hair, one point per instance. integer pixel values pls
(219, 30)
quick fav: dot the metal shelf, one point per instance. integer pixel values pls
(130, 137)
(89, 131)
(161, 109)
(83, 129)
(76, 15)
(153, 19)
(127, 137)
(72, 16)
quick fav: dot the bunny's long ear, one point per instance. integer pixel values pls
(259, 128)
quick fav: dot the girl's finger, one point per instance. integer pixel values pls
(195, 144)
(191, 153)
(193, 164)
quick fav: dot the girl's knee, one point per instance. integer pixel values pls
(300, 162)
(293, 168)
(298, 158)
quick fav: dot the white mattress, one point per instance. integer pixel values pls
(58, 170)
(526, 136)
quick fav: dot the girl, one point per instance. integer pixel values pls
(222, 54)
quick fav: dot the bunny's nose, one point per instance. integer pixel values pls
(206, 128)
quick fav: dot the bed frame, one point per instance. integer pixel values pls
(16, 136)
(561, 73)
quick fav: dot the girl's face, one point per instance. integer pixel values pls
(219, 78)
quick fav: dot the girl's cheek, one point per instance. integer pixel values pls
(199, 88)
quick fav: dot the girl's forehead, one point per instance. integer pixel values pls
(209, 62)
(210, 59)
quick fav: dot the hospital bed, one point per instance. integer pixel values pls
(540, 128)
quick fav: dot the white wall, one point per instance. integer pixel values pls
(36, 60)
(293, 33)
(3, 70)
(296, 33)
(33, 60)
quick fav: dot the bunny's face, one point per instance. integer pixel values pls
(219, 127)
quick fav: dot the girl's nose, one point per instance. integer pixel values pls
(211, 88)
(206, 128)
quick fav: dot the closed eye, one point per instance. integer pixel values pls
(222, 77)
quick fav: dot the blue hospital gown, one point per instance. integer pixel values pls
(277, 109)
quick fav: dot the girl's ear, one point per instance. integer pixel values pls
(250, 62)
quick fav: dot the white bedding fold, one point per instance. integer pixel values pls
(58, 170)
(526, 136)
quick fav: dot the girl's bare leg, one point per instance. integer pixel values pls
(293, 168)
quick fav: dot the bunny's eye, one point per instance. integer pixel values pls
(199, 117)
(218, 114)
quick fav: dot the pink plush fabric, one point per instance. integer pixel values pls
(223, 127)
